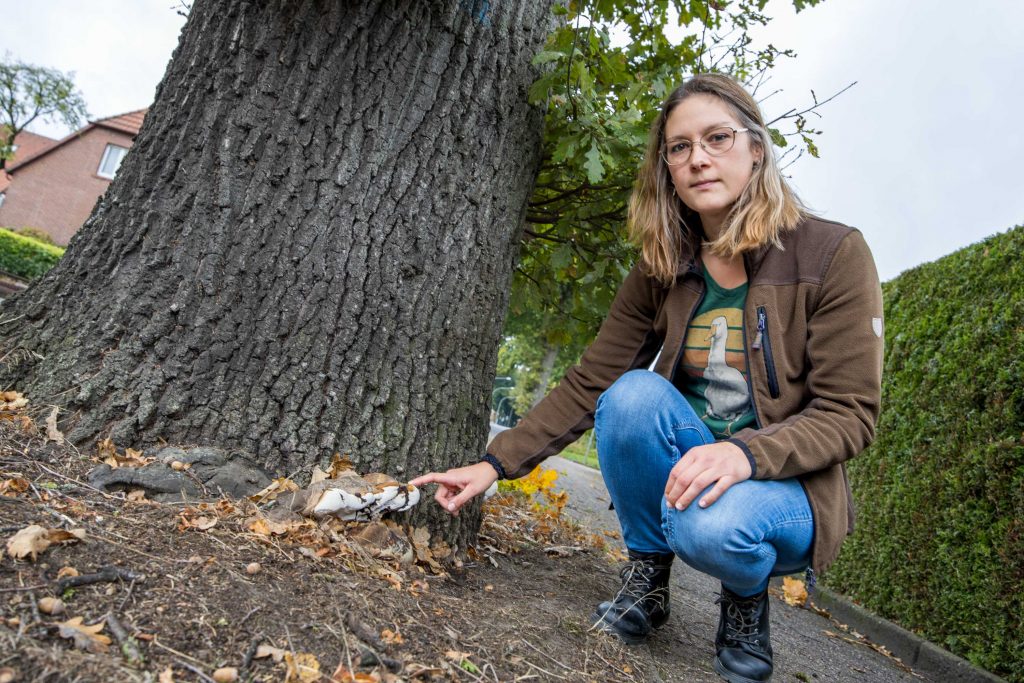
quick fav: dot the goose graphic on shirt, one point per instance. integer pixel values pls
(713, 371)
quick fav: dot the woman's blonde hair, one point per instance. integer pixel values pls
(667, 230)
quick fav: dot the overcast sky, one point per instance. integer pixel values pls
(923, 154)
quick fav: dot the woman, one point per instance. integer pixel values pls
(730, 453)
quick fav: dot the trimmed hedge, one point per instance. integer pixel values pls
(26, 257)
(939, 544)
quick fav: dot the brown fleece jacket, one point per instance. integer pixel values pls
(815, 369)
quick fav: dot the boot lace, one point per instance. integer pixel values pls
(636, 583)
(741, 625)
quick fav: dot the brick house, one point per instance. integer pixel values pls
(54, 185)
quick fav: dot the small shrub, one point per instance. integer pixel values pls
(36, 234)
(25, 257)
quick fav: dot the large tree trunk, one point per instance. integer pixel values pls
(310, 245)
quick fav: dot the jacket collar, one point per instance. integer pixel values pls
(751, 261)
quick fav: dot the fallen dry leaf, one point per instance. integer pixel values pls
(8, 675)
(318, 475)
(794, 592)
(343, 675)
(52, 433)
(275, 653)
(12, 487)
(11, 401)
(34, 539)
(166, 676)
(391, 637)
(66, 571)
(303, 667)
(137, 495)
(274, 489)
(86, 638)
(339, 463)
(267, 527)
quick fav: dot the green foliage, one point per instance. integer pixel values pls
(939, 545)
(600, 95)
(36, 234)
(29, 92)
(25, 257)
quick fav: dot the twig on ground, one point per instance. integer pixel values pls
(180, 654)
(612, 666)
(129, 648)
(250, 653)
(105, 575)
(248, 614)
(541, 669)
(22, 588)
(539, 651)
(197, 672)
(80, 483)
(364, 633)
(344, 637)
(127, 595)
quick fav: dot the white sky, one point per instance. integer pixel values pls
(923, 154)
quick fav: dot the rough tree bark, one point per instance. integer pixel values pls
(309, 247)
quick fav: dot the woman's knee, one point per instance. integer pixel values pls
(631, 398)
(698, 534)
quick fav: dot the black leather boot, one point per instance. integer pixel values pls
(743, 647)
(641, 605)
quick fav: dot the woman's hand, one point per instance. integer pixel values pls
(722, 464)
(458, 486)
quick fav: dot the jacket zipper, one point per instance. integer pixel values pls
(764, 339)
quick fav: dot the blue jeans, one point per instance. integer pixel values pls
(757, 529)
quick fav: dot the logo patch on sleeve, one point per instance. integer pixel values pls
(876, 325)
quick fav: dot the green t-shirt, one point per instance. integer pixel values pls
(712, 374)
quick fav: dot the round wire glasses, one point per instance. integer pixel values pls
(715, 142)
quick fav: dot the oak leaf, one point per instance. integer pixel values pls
(85, 637)
(166, 676)
(34, 539)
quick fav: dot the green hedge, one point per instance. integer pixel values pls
(25, 257)
(939, 545)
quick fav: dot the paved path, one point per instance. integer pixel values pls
(683, 649)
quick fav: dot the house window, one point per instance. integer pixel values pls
(3, 196)
(112, 156)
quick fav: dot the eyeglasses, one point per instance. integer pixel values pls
(716, 143)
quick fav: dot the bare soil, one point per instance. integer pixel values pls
(339, 601)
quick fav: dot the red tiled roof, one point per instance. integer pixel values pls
(130, 122)
(29, 144)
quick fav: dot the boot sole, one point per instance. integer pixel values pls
(734, 677)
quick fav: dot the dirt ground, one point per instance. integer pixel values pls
(180, 597)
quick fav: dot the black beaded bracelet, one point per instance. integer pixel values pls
(496, 464)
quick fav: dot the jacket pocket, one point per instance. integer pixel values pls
(763, 341)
